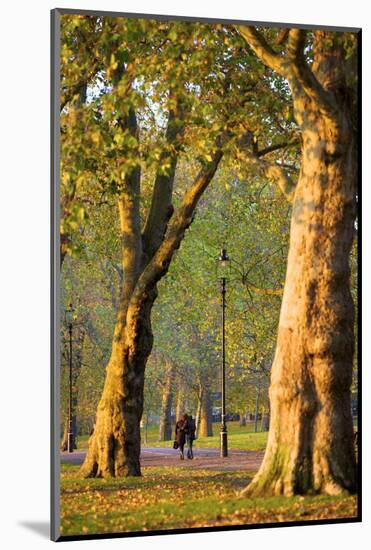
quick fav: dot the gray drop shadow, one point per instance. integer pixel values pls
(40, 527)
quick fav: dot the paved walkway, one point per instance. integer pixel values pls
(203, 459)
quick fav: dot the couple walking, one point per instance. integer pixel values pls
(185, 430)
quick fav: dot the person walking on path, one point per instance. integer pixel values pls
(190, 435)
(180, 434)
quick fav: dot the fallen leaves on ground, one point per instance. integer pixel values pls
(173, 498)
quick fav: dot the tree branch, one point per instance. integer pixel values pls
(276, 147)
(182, 219)
(282, 37)
(293, 66)
(262, 49)
(303, 73)
(284, 181)
(129, 210)
(296, 43)
(79, 89)
(264, 291)
(275, 171)
(161, 208)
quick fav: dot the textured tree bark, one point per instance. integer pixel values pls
(310, 444)
(114, 447)
(165, 433)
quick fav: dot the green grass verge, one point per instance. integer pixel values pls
(238, 438)
(242, 438)
(170, 498)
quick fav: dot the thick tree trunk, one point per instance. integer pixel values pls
(114, 447)
(165, 433)
(310, 444)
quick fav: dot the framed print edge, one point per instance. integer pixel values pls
(55, 533)
(359, 274)
(55, 278)
(194, 19)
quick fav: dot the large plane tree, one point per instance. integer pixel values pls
(310, 446)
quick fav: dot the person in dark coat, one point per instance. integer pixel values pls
(190, 435)
(180, 434)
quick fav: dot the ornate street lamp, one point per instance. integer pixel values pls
(69, 317)
(223, 264)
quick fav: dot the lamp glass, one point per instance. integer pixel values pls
(223, 262)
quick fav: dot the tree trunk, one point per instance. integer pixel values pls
(198, 413)
(265, 420)
(114, 447)
(145, 426)
(310, 443)
(242, 419)
(180, 402)
(64, 444)
(206, 425)
(165, 433)
(256, 415)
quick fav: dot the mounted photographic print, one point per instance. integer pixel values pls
(205, 192)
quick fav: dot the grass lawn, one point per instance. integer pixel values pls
(169, 498)
(238, 438)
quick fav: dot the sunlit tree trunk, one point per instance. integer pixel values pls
(310, 443)
(205, 425)
(165, 433)
(114, 447)
(181, 399)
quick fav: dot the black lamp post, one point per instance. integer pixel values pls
(223, 261)
(70, 436)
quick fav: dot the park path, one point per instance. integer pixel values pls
(208, 459)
